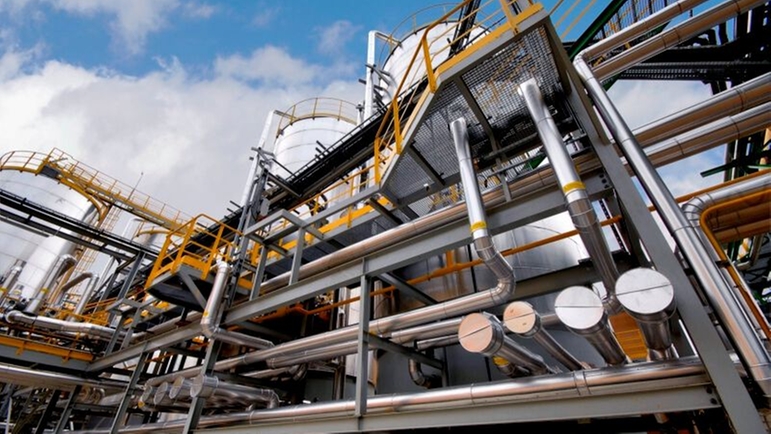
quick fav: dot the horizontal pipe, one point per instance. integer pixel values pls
(596, 382)
(482, 333)
(86, 328)
(523, 320)
(205, 387)
(47, 379)
(674, 36)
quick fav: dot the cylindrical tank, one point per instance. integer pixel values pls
(38, 252)
(304, 126)
(395, 62)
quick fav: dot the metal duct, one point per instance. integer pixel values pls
(64, 263)
(87, 328)
(578, 204)
(596, 382)
(482, 333)
(212, 315)
(649, 298)
(582, 312)
(206, 387)
(522, 319)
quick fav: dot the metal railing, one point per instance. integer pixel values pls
(200, 243)
(101, 189)
(320, 107)
(491, 19)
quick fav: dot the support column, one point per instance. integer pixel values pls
(120, 416)
(41, 425)
(363, 350)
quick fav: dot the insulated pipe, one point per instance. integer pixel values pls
(706, 271)
(70, 284)
(649, 298)
(64, 263)
(674, 36)
(582, 312)
(482, 333)
(87, 328)
(180, 389)
(85, 296)
(46, 379)
(419, 378)
(206, 387)
(212, 314)
(522, 319)
(578, 204)
(595, 382)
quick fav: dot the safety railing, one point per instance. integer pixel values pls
(199, 243)
(101, 189)
(320, 107)
(490, 20)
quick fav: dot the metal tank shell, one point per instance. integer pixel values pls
(398, 62)
(38, 253)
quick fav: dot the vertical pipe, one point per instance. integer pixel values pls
(64, 263)
(706, 271)
(578, 203)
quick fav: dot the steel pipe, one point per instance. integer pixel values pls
(46, 379)
(57, 298)
(207, 387)
(212, 315)
(419, 378)
(64, 263)
(706, 271)
(596, 382)
(578, 204)
(10, 278)
(522, 319)
(482, 333)
(87, 328)
(649, 298)
(582, 312)
(483, 244)
(674, 36)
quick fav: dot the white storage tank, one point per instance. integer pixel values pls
(34, 251)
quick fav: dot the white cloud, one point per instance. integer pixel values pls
(265, 16)
(333, 38)
(270, 64)
(641, 102)
(132, 21)
(198, 10)
(190, 136)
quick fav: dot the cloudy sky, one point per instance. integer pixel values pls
(176, 92)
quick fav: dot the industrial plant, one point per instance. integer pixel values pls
(481, 242)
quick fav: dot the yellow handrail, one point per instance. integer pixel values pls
(99, 188)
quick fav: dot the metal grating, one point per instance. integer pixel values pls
(493, 84)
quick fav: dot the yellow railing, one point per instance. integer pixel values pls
(491, 19)
(199, 243)
(320, 107)
(99, 188)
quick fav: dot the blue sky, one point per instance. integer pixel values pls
(176, 92)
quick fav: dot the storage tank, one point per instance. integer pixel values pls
(396, 55)
(36, 252)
